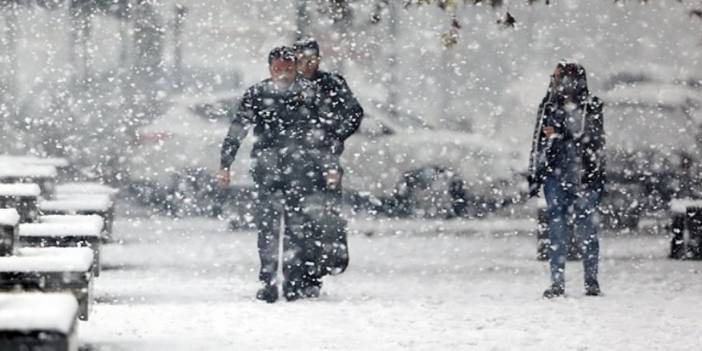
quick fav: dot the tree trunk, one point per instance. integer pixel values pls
(80, 27)
(302, 19)
(392, 59)
(9, 86)
(179, 24)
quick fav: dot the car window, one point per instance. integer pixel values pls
(216, 110)
(642, 126)
(625, 78)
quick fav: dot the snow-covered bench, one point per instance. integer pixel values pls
(81, 204)
(9, 219)
(38, 321)
(42, 175)
(50, 270)
(686, 241)
(73, 231)
(21, 196)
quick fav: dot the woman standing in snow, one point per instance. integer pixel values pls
(567, 159)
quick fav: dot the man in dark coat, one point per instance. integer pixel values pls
(568, 160)
(339, 117)
(342, 114)
(281, 111)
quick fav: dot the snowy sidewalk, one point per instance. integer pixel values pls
(190, 285)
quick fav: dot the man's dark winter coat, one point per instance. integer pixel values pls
(280, 118)
(340, 114)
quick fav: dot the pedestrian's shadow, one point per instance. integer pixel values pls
(103, 347)
(121, 267)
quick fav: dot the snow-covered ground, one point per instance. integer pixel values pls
(190, 284)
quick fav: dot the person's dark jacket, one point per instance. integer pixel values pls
(279, 118)
(549, 155)
(340, 114)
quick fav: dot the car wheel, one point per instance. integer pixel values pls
(431, 193)
(193, 193)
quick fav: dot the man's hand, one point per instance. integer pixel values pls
(548, 131)
(223, 178)
(332, 178)
(534, 187)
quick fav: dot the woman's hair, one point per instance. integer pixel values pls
(573, 70)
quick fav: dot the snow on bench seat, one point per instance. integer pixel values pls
(66, 233)
(57, 162)
(679, 206)
(25, 171)
(38, 321)
(50, 270)
(76, 204)
(85, 188)
(20, 189)
(38, 311)
(9, 217)
(67, 228)
(93, 220)
(30, 259)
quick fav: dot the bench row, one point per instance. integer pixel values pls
(27, 200)
(49, 254)
(60, 253)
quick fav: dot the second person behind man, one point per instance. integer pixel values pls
(339, 117)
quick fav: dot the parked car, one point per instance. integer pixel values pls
(405, 167)
(176, 157)
(652, 123)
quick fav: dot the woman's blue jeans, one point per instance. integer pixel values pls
(565, 204)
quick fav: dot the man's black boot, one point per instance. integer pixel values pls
(554, 291)
(268, 293)
(592, 288)
(312, 289)
(292, 290)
